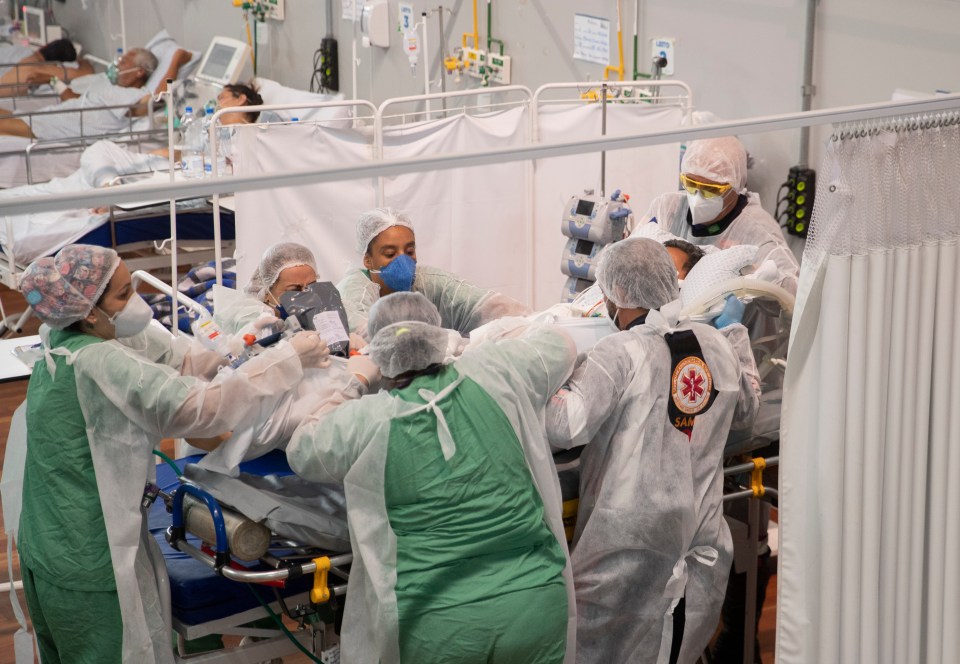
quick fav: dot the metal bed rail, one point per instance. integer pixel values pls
(27, 116)
(27, 85)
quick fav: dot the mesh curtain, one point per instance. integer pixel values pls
(870, 482)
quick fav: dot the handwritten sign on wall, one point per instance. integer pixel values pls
(591, 39)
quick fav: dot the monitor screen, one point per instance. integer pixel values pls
(33, 25)
(221, 55)
(584, 208)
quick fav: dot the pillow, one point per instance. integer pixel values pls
(273, 93)
(164, 47)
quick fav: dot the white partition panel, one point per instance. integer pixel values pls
(321, 216)
(471, 221)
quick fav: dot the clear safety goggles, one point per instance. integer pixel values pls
(708, 190)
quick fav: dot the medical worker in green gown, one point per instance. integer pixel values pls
(452, 497)
(108, 389)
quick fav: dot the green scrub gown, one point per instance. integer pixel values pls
(474, 553)
(67, 571)
(459, 551)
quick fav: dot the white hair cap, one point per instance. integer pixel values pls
(374, 222)
(719, 159)
(638, 273)
(401, 306)
(275, 260)
(408, 346)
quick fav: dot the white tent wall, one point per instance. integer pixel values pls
(871, 438)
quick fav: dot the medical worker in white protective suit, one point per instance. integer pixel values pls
(386, 240)
(453, 500)
(715, 208)
(96, 408)
(653, 404)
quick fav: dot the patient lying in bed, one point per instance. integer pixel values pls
(55, 59)
(123, 87)
(43, 233)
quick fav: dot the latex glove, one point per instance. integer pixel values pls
(312, 350)
(364, 369)
(732, 313)
(263, 322)
(357, 342)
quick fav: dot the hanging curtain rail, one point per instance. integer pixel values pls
(129, 193)
(915, 122)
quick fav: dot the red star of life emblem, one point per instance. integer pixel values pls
(692, 386)
(692, 383)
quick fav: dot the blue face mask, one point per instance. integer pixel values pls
(399, 273)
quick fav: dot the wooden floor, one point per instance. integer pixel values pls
(13, 393)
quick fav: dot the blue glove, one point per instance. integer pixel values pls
(732, 313)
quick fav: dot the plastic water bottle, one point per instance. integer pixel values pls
(223, 149)
(211, 337)
(191, 148)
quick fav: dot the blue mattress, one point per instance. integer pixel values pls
(190, 226)
(197, 594)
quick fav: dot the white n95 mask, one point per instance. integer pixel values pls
(133, 318)
(704, 210)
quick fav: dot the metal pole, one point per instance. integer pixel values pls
(750, 617)
(174, 305)
(443, 57)
(808, 89)
(392, 167)
(426, 62)
(603, 132)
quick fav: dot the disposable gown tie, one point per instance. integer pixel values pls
(447, 446)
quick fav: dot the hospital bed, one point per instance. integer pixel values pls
(27, 161)
(139, 233)
(301, 579)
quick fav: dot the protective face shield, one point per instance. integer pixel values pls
(132, 319)
(704, 210)
(399, 273)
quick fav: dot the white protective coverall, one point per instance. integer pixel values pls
(350, 445)
(463, 306)
(753, 225)
(650, 527)
(131, 399)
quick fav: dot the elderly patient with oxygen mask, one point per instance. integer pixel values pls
(115, 386)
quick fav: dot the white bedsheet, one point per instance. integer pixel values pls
(13, 163)
(43, 233)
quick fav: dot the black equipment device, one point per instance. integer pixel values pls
(801, 190)
(312, 306)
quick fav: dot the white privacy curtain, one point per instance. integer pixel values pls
(643, 173)
(870, 477)
(321, 216)
(471, 221)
